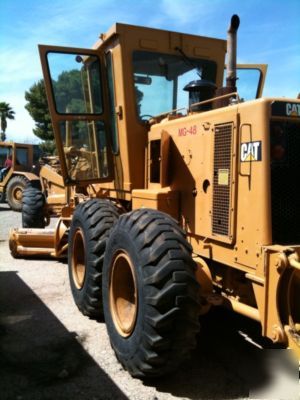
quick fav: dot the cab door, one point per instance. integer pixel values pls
(75, 88)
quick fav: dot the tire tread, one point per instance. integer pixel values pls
(98, 216)
(171, 293)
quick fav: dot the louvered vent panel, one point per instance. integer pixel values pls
(222, 179)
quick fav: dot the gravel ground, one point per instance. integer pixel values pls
(50, 351)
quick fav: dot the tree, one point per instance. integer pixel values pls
(68, 96)
(6, 112)
(68, 92)
(37, 107)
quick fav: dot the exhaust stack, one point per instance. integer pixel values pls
(231, 77)
(231, 51)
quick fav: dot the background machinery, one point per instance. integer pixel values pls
(44, 198)
(24, 158)
(186, 192)
(29, 181)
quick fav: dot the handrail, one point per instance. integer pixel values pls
(195, 104)
(217, 98)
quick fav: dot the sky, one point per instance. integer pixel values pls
(269, 33)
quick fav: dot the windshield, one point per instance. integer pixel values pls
(159, 80)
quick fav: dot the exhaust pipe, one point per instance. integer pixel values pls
(231, 52)
(231, 66)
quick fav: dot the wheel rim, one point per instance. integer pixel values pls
(78, 259)
(17, 194)
(123, 294)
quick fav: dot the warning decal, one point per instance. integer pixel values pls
(223, 177)
(251, 151)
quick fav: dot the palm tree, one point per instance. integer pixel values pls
(6, 112)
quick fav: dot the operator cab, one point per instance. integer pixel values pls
(102, 99)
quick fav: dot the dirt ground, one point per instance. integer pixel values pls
(48, 350)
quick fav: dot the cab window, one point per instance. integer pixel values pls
(159, 80)
(76, 83)
(85, 149)
(22, 156)
(247, 83)
(4, 153)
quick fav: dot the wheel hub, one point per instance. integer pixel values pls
(78, 259)
(123, 294)
(17, 193)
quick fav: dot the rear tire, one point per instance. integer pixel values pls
(150, 294)
(14, 191)
(90, 228)
(33, 202)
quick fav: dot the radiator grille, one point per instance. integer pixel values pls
(222, 179)
(285, 178)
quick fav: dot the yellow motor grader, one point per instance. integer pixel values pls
(186, 191)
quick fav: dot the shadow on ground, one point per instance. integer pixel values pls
(227, 364)
(39, 358)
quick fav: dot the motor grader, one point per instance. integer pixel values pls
(186, 191)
